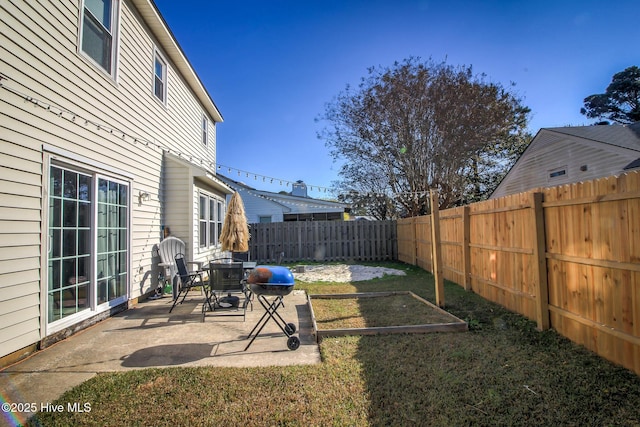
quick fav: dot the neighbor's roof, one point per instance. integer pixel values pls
(633, 165)
(279, 197)
(626, 136)
(163, 34)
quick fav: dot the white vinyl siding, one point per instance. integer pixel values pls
(60, 100)
(553, 152)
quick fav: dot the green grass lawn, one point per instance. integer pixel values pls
(501, 372)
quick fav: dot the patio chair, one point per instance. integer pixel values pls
(188, 280)
(168, 248)
(228, 290)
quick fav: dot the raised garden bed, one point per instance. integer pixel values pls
(373, 313)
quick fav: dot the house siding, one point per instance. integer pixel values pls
(255, 207)
(176, 197)
(259, 203)
(54, 99)
(552, 150)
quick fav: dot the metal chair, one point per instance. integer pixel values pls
(188, 280)
(227, 289)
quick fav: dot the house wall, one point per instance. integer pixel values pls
(53, 99)
(177, 199)
(551, 151)
(309, 206)
(256, 206)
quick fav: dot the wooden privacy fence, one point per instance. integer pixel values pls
(567, 257)
(323, 241)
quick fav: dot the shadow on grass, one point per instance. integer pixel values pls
(502, 372)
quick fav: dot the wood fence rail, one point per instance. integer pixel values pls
(567, 257)
(323, 241)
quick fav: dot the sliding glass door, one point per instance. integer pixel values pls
(88, 242)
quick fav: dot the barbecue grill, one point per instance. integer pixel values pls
(277, 282)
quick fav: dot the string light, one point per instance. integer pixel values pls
(257, 176)
(306, 204)
(135, 139)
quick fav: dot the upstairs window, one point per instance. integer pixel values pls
(97, 32)
(205, 130)
(160, 78)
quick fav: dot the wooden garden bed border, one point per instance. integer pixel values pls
(457, 326)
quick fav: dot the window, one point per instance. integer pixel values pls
(85, 208)
(205, 130)
(210, 220)
(160, 78)
(202, 225)
(264, 219)
(97, 32)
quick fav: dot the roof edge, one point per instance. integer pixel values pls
(160, 29)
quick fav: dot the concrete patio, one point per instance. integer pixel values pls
(148, 336)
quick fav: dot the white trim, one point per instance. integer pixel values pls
(204, 130)
(71, 158)
(201, 173)
(217, 220)
(54, 156)
(165, 90)
(115, 39)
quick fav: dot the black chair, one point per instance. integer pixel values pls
(227, 289)
(188, 280)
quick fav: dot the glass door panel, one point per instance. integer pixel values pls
(68, 249)
(112, 242)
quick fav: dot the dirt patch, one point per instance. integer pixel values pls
(344, 273)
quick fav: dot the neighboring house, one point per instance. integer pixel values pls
(265, 206)
(565, 155)
(99, 106)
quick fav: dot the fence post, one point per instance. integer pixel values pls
(540, 260)
(436, 249)
(414, 241)
(466, 249)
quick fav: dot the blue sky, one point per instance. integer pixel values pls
(271, 66)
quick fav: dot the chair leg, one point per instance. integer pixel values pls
(178, 300)
(186, 291)
(175, 302)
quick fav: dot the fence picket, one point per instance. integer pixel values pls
(324, 241)
(568, 258)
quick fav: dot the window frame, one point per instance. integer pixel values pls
(209, 223)
(112, 32)
(58, 317)
(158, 58)
(205, 130)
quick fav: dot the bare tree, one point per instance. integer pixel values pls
(417, 126)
